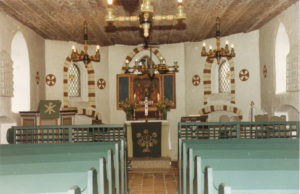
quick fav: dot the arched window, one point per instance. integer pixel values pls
(282, 49)
(74, 80)
(21, 74)
(224, 77)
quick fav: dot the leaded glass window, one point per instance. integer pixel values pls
(74, 80)
(224, 78)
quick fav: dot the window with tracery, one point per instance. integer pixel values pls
(224, 78)
(74, 80)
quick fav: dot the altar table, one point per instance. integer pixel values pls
(165, 152)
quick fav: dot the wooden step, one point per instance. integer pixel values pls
(150, 163)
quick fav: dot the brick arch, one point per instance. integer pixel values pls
(91, 84)
(212, 108)
(207, 80)
(136, 50)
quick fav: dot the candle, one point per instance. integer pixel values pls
(134, 96)
(158, 97)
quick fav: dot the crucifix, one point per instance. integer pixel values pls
(146, 103)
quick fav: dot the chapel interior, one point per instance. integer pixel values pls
(149, 96)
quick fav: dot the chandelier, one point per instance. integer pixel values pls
(219, 52)
(149, 67)
(83, 56)
(146, 16)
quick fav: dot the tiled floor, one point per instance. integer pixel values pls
(153, 182)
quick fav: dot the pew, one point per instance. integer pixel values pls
(248, 166)
(50, 166)
(71, 151)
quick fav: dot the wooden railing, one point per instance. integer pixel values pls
(238, 130)
(65, 134)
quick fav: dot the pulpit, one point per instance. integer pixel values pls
(32, 118)
(147, 139)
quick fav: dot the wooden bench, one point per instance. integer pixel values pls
(54, 168)
(257, 166)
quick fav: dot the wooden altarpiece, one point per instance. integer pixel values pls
(137, 87)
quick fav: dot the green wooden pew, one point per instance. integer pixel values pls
(264, 159)
(61, 162)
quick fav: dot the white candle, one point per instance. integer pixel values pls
(158, 97)
(146, 106)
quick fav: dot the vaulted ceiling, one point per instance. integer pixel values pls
(63, 19)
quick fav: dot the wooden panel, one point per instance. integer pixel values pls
(169, 88)
(63, 19)
(123, 88)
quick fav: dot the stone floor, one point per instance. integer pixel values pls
(154, 181)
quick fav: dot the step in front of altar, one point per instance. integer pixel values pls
(150, 163)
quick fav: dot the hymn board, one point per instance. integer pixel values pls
(130, 86)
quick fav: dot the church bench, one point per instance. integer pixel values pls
(238, 157)
(65, 158)
(240, 130)
(65, 133)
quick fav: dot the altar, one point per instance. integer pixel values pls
(150, 140)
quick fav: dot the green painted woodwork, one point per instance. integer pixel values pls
(56, 167)
(247, 165)
(66, 133)
(240, 130)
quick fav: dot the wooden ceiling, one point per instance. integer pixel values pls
(63, 19)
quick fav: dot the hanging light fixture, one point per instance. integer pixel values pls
(219, 52)
(83, 55)
(146, 16)
(149, 67)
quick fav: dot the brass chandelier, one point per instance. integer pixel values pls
(150, 68)
(83, 56)
(146, 16)
(219, 52)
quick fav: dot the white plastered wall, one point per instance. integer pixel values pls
(246, 46)
(290, 19)
(36, 51)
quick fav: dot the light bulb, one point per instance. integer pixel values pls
(73, 48)
(210, 47)
(232, 45)
(109, 2)
(204, 45)
(179, 1)
(227, 42)
(97, 48)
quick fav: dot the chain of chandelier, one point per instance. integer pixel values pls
(145, 18)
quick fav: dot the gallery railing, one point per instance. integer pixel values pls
(65, 134)
(239, 130)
